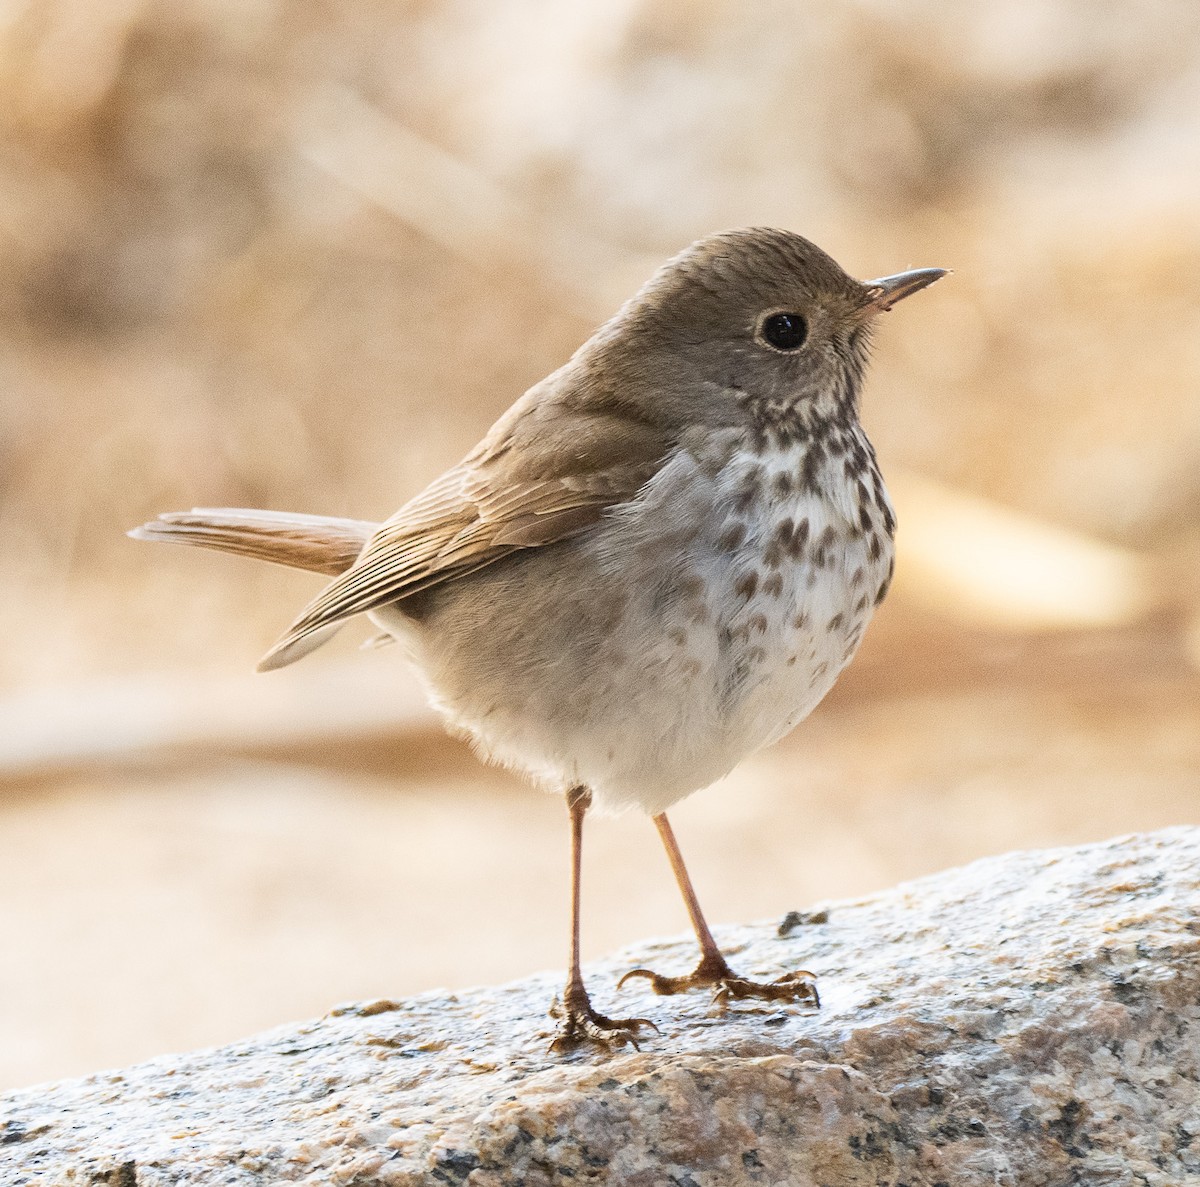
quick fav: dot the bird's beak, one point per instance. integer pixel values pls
(882, 294)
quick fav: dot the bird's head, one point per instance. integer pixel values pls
(758, 321)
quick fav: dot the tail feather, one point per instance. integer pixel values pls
(318, 543)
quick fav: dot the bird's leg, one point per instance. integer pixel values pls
(578, 1022)
(713, 970)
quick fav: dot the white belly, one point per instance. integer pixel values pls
(737, 616)
(771, 626)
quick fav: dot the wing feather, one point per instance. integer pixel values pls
(506, 495)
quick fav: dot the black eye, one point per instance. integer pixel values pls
(785, 331)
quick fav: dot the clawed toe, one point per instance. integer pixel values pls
(799, 986)
(665, 986)
(578, 1024)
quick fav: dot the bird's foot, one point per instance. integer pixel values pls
(713, 972)
(579, 1023)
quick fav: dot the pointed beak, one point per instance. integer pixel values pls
(882, 294)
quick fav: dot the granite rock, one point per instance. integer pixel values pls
(1029, 1019)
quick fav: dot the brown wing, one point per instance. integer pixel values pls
(545, 472)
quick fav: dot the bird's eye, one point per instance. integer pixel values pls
(785, 331)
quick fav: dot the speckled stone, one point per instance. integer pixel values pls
(1029, 1019)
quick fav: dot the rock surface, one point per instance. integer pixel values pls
(1029, 1019)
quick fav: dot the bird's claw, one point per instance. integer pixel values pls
(579, 1023)
(664, 986)
(798, 986)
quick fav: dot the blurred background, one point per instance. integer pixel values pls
(280, 254)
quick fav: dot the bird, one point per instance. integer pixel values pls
(655, 563)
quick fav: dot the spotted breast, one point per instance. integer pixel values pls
(694, 624)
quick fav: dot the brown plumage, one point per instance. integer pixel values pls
(501, 497)
(657, 561)
(318, 543)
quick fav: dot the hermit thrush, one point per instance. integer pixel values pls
(657, 561)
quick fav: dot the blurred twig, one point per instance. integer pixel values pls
(446, 199)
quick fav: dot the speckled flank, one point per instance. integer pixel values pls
(746, 584)
(732, 536)
(1028, 1021)
(743, 594)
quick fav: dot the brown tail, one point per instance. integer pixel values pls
(314, 542)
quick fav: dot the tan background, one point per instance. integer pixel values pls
(299, 256)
